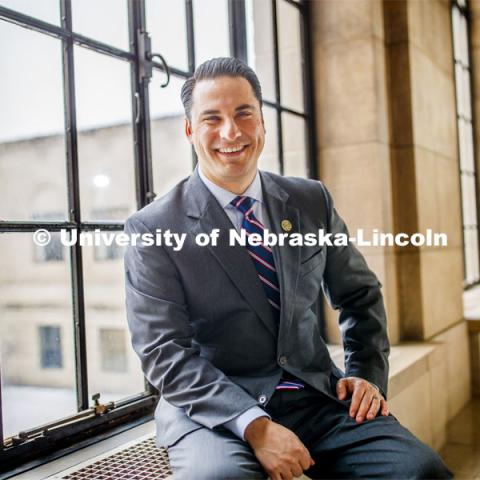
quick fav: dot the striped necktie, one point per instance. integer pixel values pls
(261, 255)
(262, 258)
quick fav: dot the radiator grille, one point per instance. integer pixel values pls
(140, 461)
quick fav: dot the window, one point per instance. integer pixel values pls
(53, 251)
(104, 252)
(83, 151)
(113, 349)
(468, 173)
(50, 347)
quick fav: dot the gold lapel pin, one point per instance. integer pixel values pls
(286, 225)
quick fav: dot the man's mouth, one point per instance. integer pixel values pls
(232, 151)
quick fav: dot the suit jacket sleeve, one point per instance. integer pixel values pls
(158, 319)
(353, 288)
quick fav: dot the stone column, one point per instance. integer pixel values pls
(353, 137)
(425, 171)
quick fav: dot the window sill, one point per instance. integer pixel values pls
(57, 468)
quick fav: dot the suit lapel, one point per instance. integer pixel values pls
(235, 260)
(287, 259)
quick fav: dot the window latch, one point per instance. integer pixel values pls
(146, 58)
(100, 408)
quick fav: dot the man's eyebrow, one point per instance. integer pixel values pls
(245, 106)
(209, 112)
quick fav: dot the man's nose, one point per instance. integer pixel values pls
(230, 130)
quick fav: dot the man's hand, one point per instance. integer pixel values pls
(366, 399)
(278, 449)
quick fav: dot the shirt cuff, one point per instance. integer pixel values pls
(239, 424)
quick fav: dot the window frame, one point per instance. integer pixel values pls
(464, 11)
(22, 451)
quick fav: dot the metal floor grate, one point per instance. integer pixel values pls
(138, 461)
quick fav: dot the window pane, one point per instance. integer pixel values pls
(269, 159)
(261, 54)
(210, 18)
(464, 40)
(459, 89)
(294, 149)
(46, 10)
(475, 255)
(467, 106)
(290, 56)
(113, 367)
(171, 151)
(106, 21)
(469, 160)
(36, 336)
(456, 33)
(461, 142)
(113, 349)
(105, 135)
(166, 21)
(31, 125)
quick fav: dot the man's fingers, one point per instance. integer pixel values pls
(357, 396)
(364, 406)
(342, 389)
(384, 407)
(297, 470)
(286, 475)
(374, 407)
(306, 461)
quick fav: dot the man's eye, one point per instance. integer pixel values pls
(212, 119)
(245, 114)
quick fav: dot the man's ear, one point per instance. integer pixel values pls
(263, 124)
(188, 130)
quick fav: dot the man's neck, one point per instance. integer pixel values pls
(237, 187)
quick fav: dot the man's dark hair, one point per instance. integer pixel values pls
(219, 67)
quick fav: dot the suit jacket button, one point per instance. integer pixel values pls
(282, 360)
(262, 399)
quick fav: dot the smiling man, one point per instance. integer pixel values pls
(229, 334)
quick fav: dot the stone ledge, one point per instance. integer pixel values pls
(408, 362)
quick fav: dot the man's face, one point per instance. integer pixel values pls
(226, 115)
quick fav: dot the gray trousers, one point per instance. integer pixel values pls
(341, 448)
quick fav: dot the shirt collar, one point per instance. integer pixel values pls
(224, 197)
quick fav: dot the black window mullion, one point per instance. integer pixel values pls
(190, 35)
(191, 54)
(308, 92)
(71, 145)
(238, 29)
(140, 115)
(277, 86)
(140, 106)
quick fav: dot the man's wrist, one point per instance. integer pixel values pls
(256, 428)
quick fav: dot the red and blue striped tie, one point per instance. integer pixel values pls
(261, 255)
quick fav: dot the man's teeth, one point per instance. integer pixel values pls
(230, 150)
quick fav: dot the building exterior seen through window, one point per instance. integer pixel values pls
(50, 347)
(94, 141)
(469, 194)
(113, 349)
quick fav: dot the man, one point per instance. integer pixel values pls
(228, 334)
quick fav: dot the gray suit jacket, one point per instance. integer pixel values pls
(200, 321)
